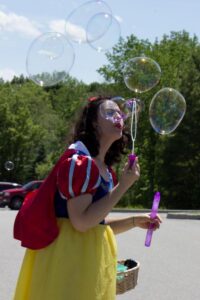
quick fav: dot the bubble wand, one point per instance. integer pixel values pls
(133, 105)
(153, 214)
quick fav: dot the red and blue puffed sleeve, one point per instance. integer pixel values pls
(78, 175)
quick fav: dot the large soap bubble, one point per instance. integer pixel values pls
(106, 28)
(166, 110)
(141, 74)
(49, 59)
(77, 21)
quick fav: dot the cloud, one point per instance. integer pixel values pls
(7, 74)
(74, 32)
(12, 22)
(57, 26)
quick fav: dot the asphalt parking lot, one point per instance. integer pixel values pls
(169, 269)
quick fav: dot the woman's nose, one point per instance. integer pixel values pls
(118, 118)
(118, 115)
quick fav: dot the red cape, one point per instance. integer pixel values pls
(35, 224)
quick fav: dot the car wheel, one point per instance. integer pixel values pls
(16, 203)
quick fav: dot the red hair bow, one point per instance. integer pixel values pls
(91, 99)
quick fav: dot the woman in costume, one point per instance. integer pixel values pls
(71, 249)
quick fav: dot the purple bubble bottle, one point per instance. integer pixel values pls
(131, 159)
(153, 214)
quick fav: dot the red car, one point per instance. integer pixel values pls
(15, 197)
(4, 185)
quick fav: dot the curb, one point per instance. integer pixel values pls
(171, 214)
(188, 216)
(163, 211)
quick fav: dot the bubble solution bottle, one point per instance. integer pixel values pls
(153, 214)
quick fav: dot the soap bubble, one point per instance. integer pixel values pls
(106, 28)
(49, 59)
(141, 74)
(166, 110)
(9, 165)
(139, 105)
(77, 21)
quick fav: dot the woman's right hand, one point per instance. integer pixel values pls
(130, 174)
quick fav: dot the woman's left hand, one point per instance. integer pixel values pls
(143, 221)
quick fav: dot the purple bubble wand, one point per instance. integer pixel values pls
(153, 214)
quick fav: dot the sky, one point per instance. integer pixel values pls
(23, 21)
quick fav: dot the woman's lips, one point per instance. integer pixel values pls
(118, 125)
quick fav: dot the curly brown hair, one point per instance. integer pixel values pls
(86, 132)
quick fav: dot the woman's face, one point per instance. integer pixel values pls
(110, 121)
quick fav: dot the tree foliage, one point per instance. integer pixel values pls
(36, 122)
(169, 163)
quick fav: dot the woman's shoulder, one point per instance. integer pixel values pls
(79, 158)
(78, 174)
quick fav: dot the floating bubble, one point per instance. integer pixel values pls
(139, 105)
(141, 74)
(106, 28)
(78, 19)
(49, 59)
(166, 110)
(97, 26)
(9, 165)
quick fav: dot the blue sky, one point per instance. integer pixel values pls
(21, 21)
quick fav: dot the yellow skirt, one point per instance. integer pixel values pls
(76, 266)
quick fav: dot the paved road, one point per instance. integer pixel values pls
(170, 268)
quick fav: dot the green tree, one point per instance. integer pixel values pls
(28, 127)
(164, 159)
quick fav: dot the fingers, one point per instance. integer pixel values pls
(156, 222)
(156, 225)
(157, 217)
(145, 220)
(132, 165)
(130, 174)
(136, 165)
(135, 168)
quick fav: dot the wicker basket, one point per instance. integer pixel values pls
(127, 280)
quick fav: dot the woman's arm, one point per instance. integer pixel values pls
(84, 214)
(120, 225)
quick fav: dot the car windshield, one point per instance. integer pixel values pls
(28, 186)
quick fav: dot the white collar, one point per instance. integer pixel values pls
(79, 146)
